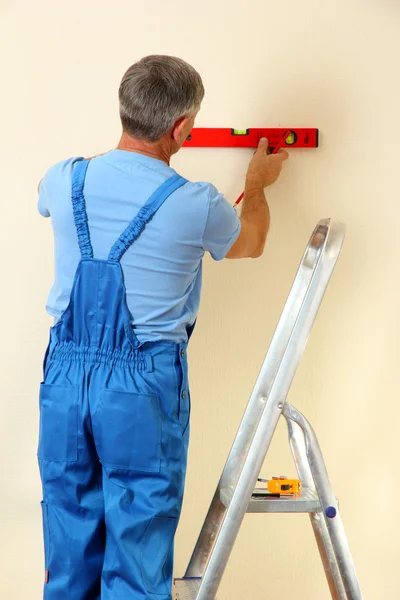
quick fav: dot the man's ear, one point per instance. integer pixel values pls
(179, 129)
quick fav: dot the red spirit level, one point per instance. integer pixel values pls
(249, 138)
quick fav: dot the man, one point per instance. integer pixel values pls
(114, 405)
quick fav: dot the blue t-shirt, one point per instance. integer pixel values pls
(162, 269)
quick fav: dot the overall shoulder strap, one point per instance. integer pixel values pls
(145, 214)
(79, 208)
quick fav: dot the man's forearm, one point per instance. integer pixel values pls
(255, 210)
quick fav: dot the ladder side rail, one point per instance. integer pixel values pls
(298, 448)
(271, 364)
(321, 254)
(317, 265)
(327, 498)
(328, 558)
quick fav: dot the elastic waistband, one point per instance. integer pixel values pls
(141, 357)
(88, 354)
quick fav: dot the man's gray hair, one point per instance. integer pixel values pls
(155, 92)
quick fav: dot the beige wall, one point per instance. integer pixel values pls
(332, 65)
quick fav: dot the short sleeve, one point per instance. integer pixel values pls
(55, 177)
(222, 226)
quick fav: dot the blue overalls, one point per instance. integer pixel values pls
(114, 429)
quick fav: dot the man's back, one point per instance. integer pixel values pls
(163, 269)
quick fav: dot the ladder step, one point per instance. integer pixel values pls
(306, 502)
(187, 588)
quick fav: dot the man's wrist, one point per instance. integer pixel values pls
(253, 186)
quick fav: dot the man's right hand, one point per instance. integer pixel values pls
(264, 169)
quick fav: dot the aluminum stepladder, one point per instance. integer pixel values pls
(234, 494)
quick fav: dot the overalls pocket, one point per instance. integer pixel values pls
(127, 430)
(58, 433)
(46, 537)
(157, 555)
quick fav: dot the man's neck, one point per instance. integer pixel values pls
(159, 150)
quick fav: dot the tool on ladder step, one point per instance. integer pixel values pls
(234, 496)
(278, 486)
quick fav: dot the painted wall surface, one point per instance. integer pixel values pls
(332, 65)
